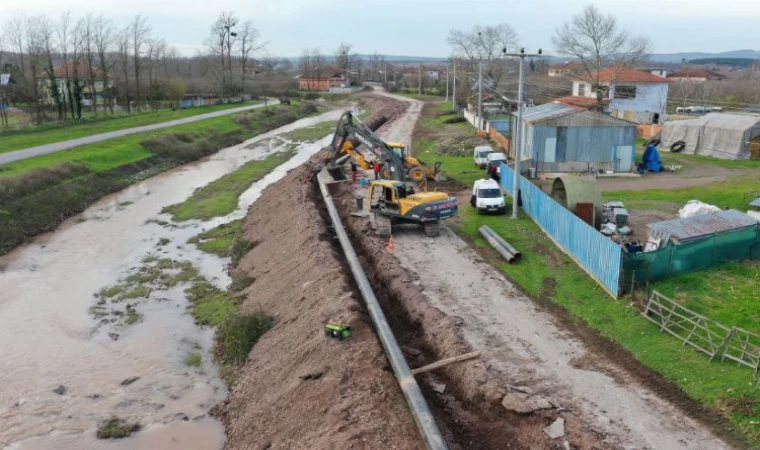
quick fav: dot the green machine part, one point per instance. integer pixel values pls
(337, 331)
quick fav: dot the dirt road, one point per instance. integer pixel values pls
(31, 152)
(528, 347)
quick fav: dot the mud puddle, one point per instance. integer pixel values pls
(49, 339)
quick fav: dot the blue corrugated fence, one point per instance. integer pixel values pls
(598, 255)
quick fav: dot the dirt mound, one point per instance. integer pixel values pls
(379, 106)
(299, 388)
(470, 411)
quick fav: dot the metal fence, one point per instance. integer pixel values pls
(595, 253)
(702, 333)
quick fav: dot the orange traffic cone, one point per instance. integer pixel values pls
(391, 244)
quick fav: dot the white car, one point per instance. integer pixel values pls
(480, 153)
(487, 197)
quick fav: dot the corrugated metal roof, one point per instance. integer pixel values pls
(586, 119)
(755, 202)
(681, 231)
(546, 111)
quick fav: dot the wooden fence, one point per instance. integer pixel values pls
(702, 333)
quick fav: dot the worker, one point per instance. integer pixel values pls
(493, 172)
(354, 169)
(650, 160)
(376, 169)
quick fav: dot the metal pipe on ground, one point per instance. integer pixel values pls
(414, 398)
(503, 242)
(509, 257)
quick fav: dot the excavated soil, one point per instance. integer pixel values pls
(299, 388)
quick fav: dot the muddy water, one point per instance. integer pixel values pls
(48, 338)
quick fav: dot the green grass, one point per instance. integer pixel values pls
(546, 273)
(220, 197)
(727, 293)
(724, 194)
(116, 428)
(194, 359)
(218, 240)
(313, 133)
(56, 132)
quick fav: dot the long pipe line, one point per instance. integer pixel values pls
(414, 398)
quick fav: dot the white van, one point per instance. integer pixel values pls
(480, 154)
(487, 197)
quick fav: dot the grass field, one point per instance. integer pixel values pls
(116, 152)
(220, 197)
(56, 132)
(546, 273)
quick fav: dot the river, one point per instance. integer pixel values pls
(49, 339)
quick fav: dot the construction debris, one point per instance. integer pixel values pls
(524, 403)
(556, 429)
(445, 362)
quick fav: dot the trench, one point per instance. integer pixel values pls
(49, 339)
(465, 422)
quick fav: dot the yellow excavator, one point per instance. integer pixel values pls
(392, 200)
(350, 126)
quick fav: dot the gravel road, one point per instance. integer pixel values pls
(31, 152)
(529, 347)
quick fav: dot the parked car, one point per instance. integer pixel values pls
(480, 153)
(487, 197)
(495, 160)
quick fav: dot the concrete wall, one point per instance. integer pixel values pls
(650, 98)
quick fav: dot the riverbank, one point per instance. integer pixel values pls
(44, 191)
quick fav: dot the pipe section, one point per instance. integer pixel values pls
(414, 398)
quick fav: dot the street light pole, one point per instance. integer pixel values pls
(480, 92)
(454, 93)
(447, 83)
(518, 131)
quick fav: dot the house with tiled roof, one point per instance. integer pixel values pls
(696, 74)
(629, 94)
(565, 69)
(91, 89)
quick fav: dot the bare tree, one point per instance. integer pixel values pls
(14, 34)
(305, 67)
(103, 38)
(87, 30)
(357, 65)
(486, 44)
(249, 37)
(77, 71)
(597, 41)
(34, 46)
(317, 62)
(122, 50)
(140, 35)
(343, 57)
(53, 87)
(64, 28)
(220, 43)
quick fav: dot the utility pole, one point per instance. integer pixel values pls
(385, 74)
(447, 82)
(454, 94)
(480, 93)
(518, 131)
(419, 78)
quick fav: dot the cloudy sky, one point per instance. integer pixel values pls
(419, 27)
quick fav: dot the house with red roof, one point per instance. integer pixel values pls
(92, 87)
(696, 74)
(629, 94)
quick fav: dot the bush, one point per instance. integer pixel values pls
(458, 119)
(237, 336)
(310, 108)
(311, 96)
(37, 179)
(116, 428)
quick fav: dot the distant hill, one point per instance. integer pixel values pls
(688, 56)
(388, 58)
(736, 62)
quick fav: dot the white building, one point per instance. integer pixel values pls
(628, 94)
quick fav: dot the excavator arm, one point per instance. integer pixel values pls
(350, 126)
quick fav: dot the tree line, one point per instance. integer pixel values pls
(63, 66)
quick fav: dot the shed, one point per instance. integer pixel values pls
(696, 228)
(570, 190)
(566, 138)
(720, 135)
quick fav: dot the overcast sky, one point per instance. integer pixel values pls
(419, 27)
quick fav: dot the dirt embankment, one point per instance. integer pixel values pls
(300, 389)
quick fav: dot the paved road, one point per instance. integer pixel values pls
(18, 155)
